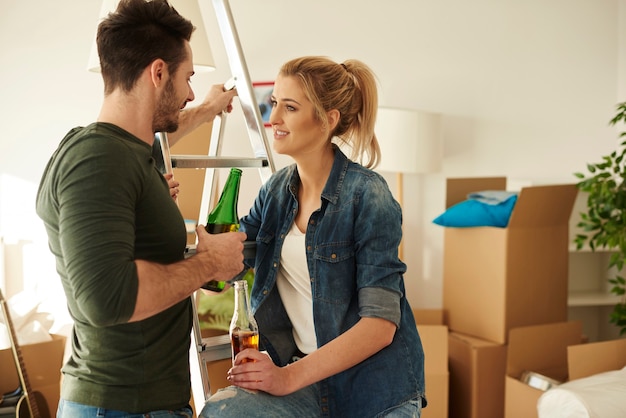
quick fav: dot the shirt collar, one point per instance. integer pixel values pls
(335, 180)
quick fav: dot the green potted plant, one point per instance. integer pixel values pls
(604, 222)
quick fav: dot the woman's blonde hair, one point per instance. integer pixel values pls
(350, 88)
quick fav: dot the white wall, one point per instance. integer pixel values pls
(526, 88)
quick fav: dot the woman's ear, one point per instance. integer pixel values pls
(333, 116)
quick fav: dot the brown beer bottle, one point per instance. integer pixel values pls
(244, 332)
(224, 218)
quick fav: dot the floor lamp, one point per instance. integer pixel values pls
(410, 142)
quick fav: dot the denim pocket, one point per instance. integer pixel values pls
(335, 269)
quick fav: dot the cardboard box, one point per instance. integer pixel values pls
(540, 349)
(477, 370)
(497, 279)
(596, 383)
(434, 336)
(43, 363)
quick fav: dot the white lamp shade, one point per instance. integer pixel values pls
(202, 57)
(410, 140)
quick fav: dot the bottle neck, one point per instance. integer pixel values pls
(242, 318)
(241, 297)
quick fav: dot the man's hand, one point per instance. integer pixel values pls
(216, 101)
(173, 184)
(218, 257)
(224, 252)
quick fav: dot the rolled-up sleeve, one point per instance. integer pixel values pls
(378, 302)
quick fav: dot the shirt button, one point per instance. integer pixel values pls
(333, 256)
(312, 221)
(275, 265)
(308, 248)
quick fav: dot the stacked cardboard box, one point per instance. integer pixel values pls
(434, 336)
(499, 279)
(477, 368)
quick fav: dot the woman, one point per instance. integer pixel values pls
(329, 288)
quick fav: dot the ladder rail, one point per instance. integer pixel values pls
(245, 92)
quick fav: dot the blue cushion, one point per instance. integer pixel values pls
(488, 208)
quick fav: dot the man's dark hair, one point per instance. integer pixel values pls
(137, 33)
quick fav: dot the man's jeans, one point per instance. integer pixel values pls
(76, 410)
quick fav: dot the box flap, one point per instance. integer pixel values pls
(542, 349)
(471, 341)
(541, 206)
(520, 399)
(588, 359)
(457, 189)
(428, 316)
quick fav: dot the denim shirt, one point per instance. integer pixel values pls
(351, 250)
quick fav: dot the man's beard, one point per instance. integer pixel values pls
(165, 119)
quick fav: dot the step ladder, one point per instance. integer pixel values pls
(205, 350)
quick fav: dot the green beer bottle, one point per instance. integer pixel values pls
(224, 218)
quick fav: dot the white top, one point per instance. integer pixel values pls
(294, 287)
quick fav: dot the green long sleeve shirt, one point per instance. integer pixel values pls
(105, 204)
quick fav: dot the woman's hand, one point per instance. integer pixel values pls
(173, 185)
(255, 370)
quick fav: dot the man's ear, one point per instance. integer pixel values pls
(158, 71)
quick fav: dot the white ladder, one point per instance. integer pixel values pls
(216, 348)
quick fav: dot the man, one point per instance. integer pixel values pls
(118, 236)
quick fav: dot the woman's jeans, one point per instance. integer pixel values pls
(234, 402)
(69, 409)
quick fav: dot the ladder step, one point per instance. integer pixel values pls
(202, 161)
(215, 348)
(249, 249)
